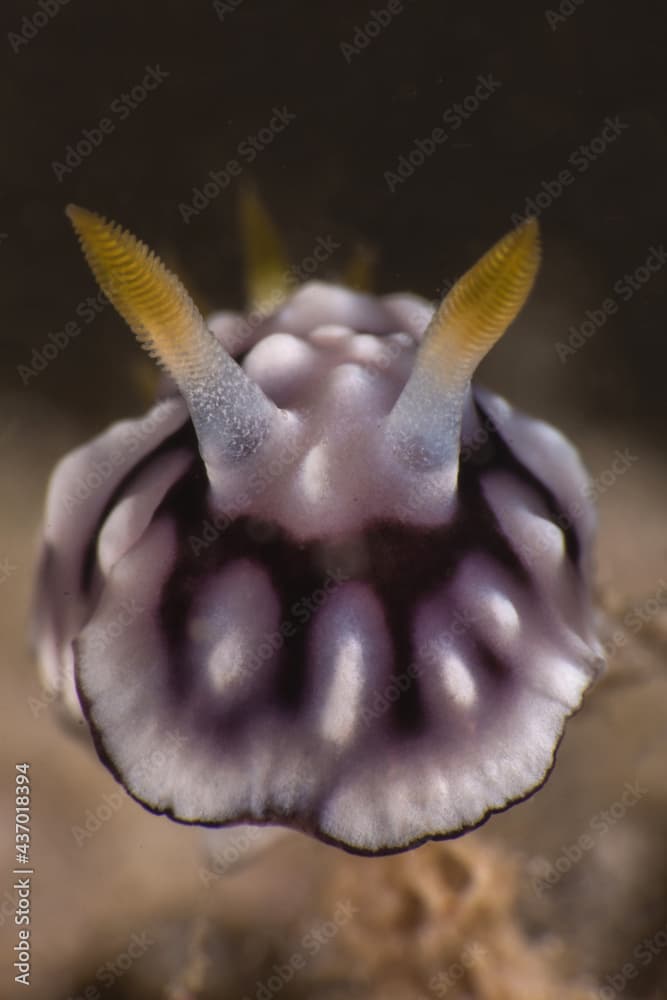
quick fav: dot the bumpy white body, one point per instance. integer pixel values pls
(347, 640)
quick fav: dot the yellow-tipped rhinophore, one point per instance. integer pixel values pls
(473, 316)
(150, 298)
(230, 413)
(266, 266)
(482, 304)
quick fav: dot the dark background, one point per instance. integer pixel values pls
(325, 173)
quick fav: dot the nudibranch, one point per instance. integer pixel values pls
(325, 582)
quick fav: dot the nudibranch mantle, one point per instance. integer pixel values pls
(330, 584)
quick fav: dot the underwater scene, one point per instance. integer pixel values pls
(333, 551)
